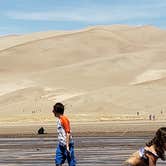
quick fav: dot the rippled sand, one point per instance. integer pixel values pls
(90, 151)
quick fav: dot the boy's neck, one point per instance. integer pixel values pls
(60, 115)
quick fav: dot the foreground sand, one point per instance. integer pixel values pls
(120, 128)
(90, 150)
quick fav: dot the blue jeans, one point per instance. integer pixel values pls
(62, 155)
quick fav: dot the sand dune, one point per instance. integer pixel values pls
(150, 75)
(101, 73)
(14, 86)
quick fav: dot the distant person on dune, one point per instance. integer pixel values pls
(65, 148)
(148, 155)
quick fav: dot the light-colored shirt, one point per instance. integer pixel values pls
(63, 127)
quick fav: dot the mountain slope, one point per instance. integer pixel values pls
(116, 69)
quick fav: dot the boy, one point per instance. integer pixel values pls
(65, 148)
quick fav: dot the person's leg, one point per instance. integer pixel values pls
(70, 157)
(60, 155)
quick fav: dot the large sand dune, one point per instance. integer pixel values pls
(101, 73)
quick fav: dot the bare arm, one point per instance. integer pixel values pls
(67, 141)
(152, 160)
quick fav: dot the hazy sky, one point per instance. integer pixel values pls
(26, 16)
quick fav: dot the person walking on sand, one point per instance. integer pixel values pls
(148, 155)
(65, 147)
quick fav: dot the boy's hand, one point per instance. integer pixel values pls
(68, 151)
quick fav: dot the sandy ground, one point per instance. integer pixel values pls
(89, 150)
(85, 128)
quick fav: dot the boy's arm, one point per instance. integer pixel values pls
(67, 141)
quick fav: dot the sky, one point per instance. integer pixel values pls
(27, 16)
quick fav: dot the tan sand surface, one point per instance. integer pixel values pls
(102, 74)
(89, 150)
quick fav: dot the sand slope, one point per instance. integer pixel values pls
(101, 73)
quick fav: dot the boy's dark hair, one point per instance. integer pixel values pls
(59, 108)
(158, 141)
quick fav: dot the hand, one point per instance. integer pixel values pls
(68, 151)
